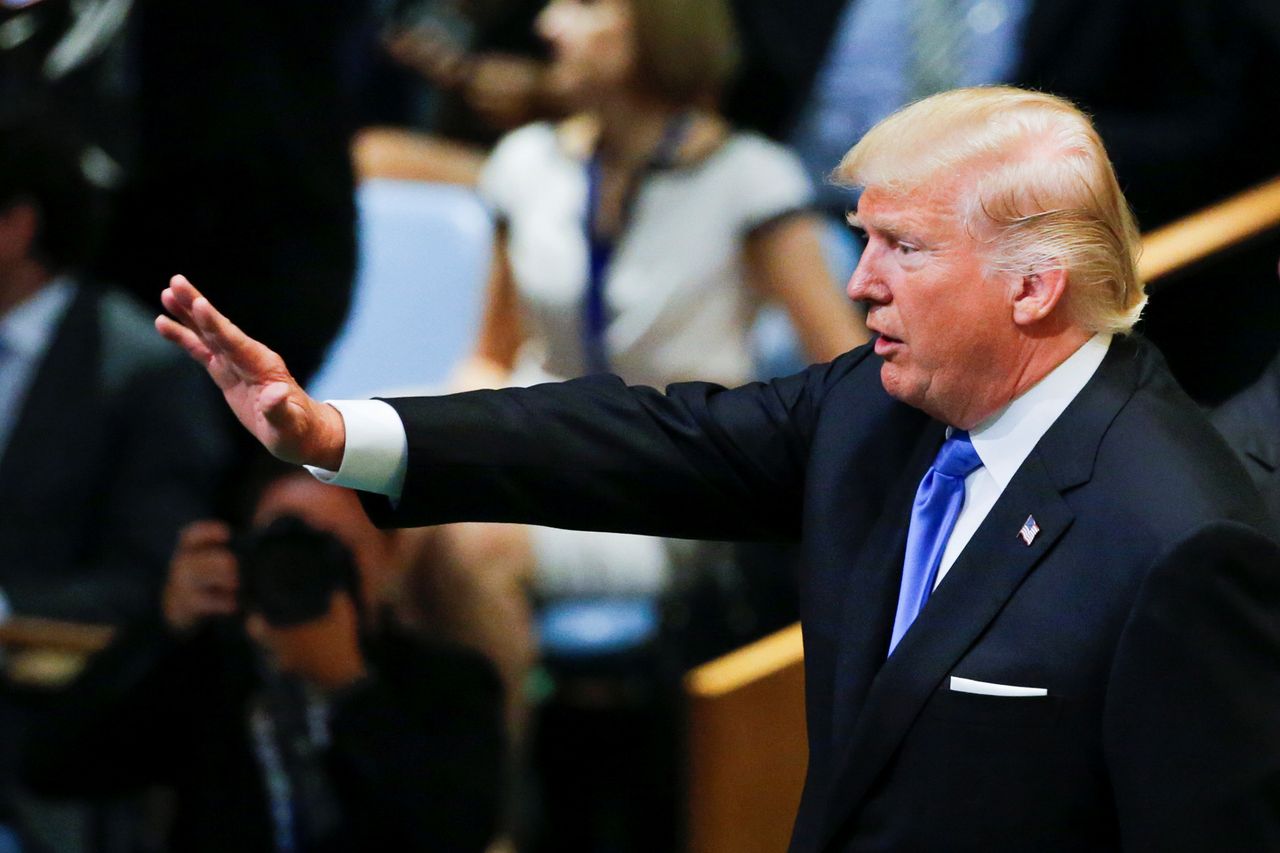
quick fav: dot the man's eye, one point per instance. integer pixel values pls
(906, 248)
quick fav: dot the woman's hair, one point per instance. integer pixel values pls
(687, 50)
(1037, 187)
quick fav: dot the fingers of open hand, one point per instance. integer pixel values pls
(194, 311)
(221, 335)
(183, 337)
(177, 299)
(180, 328)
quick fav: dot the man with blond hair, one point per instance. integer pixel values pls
(1038, 609)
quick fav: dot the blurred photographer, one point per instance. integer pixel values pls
(314, 724)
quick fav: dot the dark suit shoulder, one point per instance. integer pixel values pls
(1250, 421)
(1166, 470)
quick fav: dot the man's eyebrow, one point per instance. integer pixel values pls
(892, 231)
(905, 229)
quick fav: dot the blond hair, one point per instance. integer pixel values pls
(687, 50)
(1039, 189)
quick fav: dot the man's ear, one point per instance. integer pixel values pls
(18, 226)
(1038, 294)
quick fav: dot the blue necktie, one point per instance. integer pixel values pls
(933, 516)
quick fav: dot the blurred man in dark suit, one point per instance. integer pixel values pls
(93, 489)
(109, 444)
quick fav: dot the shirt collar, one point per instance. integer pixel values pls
(1004, 440)
(28, 326)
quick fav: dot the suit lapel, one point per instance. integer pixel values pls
(986, 575)
(870, 595)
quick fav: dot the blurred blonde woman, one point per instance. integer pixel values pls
(638, 237)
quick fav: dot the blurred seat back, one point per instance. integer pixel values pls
(424, 257)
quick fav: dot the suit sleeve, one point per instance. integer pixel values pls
(699, 461)
(1192, 740)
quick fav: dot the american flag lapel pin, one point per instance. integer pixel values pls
(1029, 530)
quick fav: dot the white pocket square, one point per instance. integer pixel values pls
(987, 688)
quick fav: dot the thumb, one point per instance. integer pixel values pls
(307, 431)
(284, 408)
(273, 401)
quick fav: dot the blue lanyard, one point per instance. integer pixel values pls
(600, 248)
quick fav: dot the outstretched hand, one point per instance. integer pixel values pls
(254, 380)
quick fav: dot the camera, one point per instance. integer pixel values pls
(289, 571)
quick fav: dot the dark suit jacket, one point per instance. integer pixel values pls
(119, 444)
(415, 758)
(1250, 422)
(1148, 606)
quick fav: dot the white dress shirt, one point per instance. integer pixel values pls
(1005, 439)
(377, 452)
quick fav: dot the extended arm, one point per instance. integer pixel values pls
(699, 461)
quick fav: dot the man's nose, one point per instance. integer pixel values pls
(866, 285)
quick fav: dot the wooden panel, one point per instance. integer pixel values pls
(46, 653)
(1214, 229)
(402, 155)
(31, 632)
(747, 746)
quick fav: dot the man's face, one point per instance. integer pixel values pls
(944, 323)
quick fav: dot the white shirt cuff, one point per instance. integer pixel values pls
(376, 454)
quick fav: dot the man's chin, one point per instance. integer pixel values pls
(911, 389)
(898, 385)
